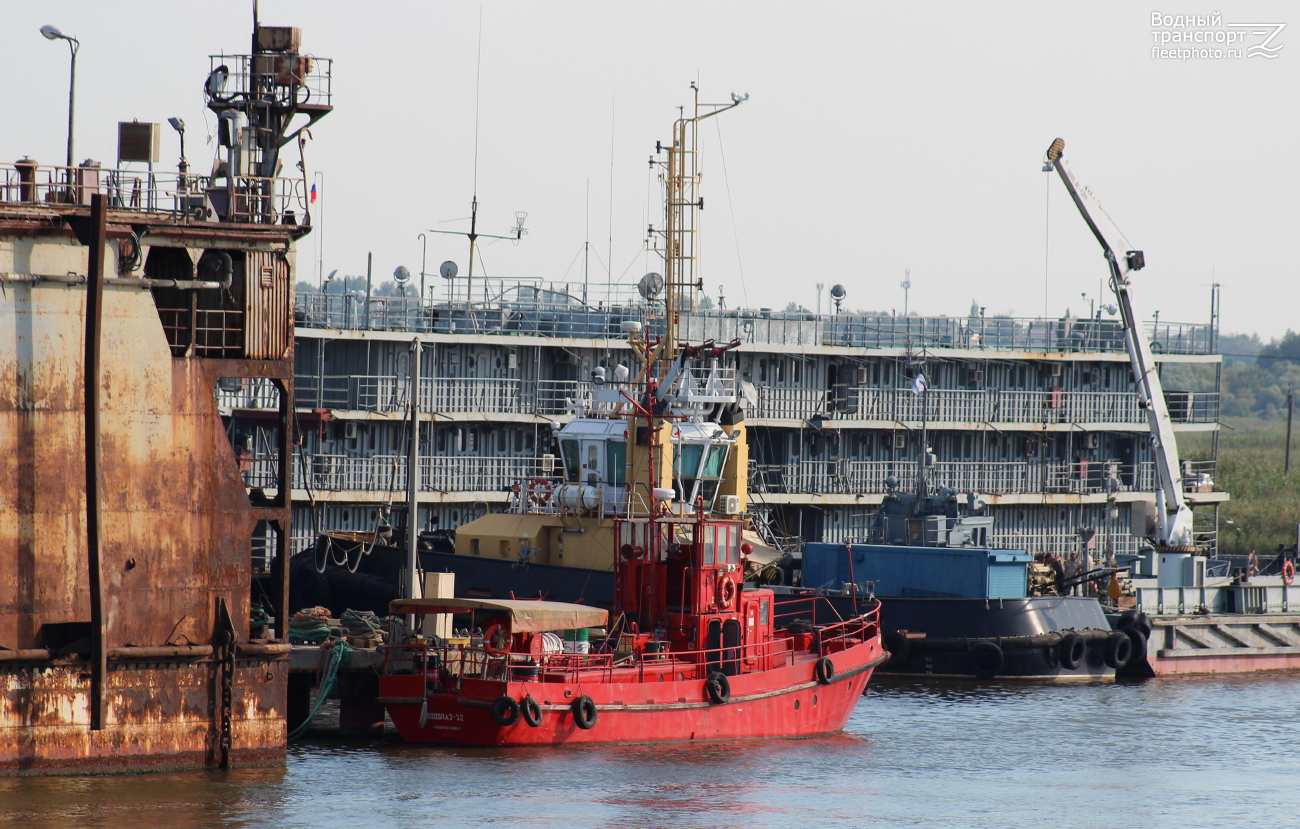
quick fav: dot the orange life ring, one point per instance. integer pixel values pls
(1288, 572)
(1252, 565)
(726, 591)
(496, 640)
(539, 491)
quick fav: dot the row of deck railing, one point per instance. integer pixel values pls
(565, 315)
(387, 473)
(452, 664)
(184, 196)
(852, 477)
(479, 473)
(449, 395)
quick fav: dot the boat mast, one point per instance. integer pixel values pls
(680, 241)
(413, 587)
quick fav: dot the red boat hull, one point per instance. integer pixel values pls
(788, 701)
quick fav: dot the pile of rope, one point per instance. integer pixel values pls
(309, 626)
(258, 617)
(364, 623)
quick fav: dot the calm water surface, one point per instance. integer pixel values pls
(1164, 753)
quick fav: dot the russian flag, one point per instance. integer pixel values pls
(313, 193)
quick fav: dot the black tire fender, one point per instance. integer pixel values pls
(899, 647)
(1119, 649)
(989, 659)
(1072, 651)
(531, 711)
(505, 711)
(1135, 619)
(824, 670)
(584, 710)
(1139, 643)
(718, 688)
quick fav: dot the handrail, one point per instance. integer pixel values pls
(478, 663)
(509, 311)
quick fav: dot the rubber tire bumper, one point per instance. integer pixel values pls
(1139, 642)
(1119, 649)
(1072, 651)
(531, 711)
(585, 714)
(1135, 619)
(900, 649)
(824, 670)
(718, 688)
(505, 711)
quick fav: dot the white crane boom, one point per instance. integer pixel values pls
(1174, 516)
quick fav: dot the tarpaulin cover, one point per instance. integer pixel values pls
(525, 616)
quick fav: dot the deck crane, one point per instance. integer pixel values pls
(1173, 531)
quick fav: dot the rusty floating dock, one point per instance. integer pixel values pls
(125, 526)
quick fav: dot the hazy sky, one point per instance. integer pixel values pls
(878, 137)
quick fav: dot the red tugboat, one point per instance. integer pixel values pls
(699, 657)
(693, 654)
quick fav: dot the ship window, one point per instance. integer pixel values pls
(616, 462)
(570, 450)
(762, 371)
(762, 613)
(593, 463)
(780, 370)
(519, 440)
(688, 462)
(796, 370)
(710, 546)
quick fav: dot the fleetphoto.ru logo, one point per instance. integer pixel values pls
(1207, 37)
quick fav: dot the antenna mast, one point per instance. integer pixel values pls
(680, 174)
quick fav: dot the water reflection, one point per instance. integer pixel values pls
(183, 800)
(1185, 753)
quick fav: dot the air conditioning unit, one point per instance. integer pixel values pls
(900, 440)
(350, 431)
(731, 504)
(1055, 370)
(548, 465)
(1092, 441)
(977, 377)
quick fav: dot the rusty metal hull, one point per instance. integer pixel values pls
(160, 716)
(182, 686)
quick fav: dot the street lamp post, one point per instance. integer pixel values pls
(423, 257)
(52, 33)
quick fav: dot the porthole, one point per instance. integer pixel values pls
(814, 700)
(796, 705)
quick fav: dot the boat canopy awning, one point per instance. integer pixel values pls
(526, 616)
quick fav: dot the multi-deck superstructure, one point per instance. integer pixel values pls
(1039, 416)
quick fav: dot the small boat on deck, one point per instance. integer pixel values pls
(693, 655)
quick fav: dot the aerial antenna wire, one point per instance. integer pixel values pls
(734, 236)
(609, 255)
(478, 72)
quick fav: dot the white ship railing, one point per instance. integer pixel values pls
(498, 308)
(852, 477)
(257, 200)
